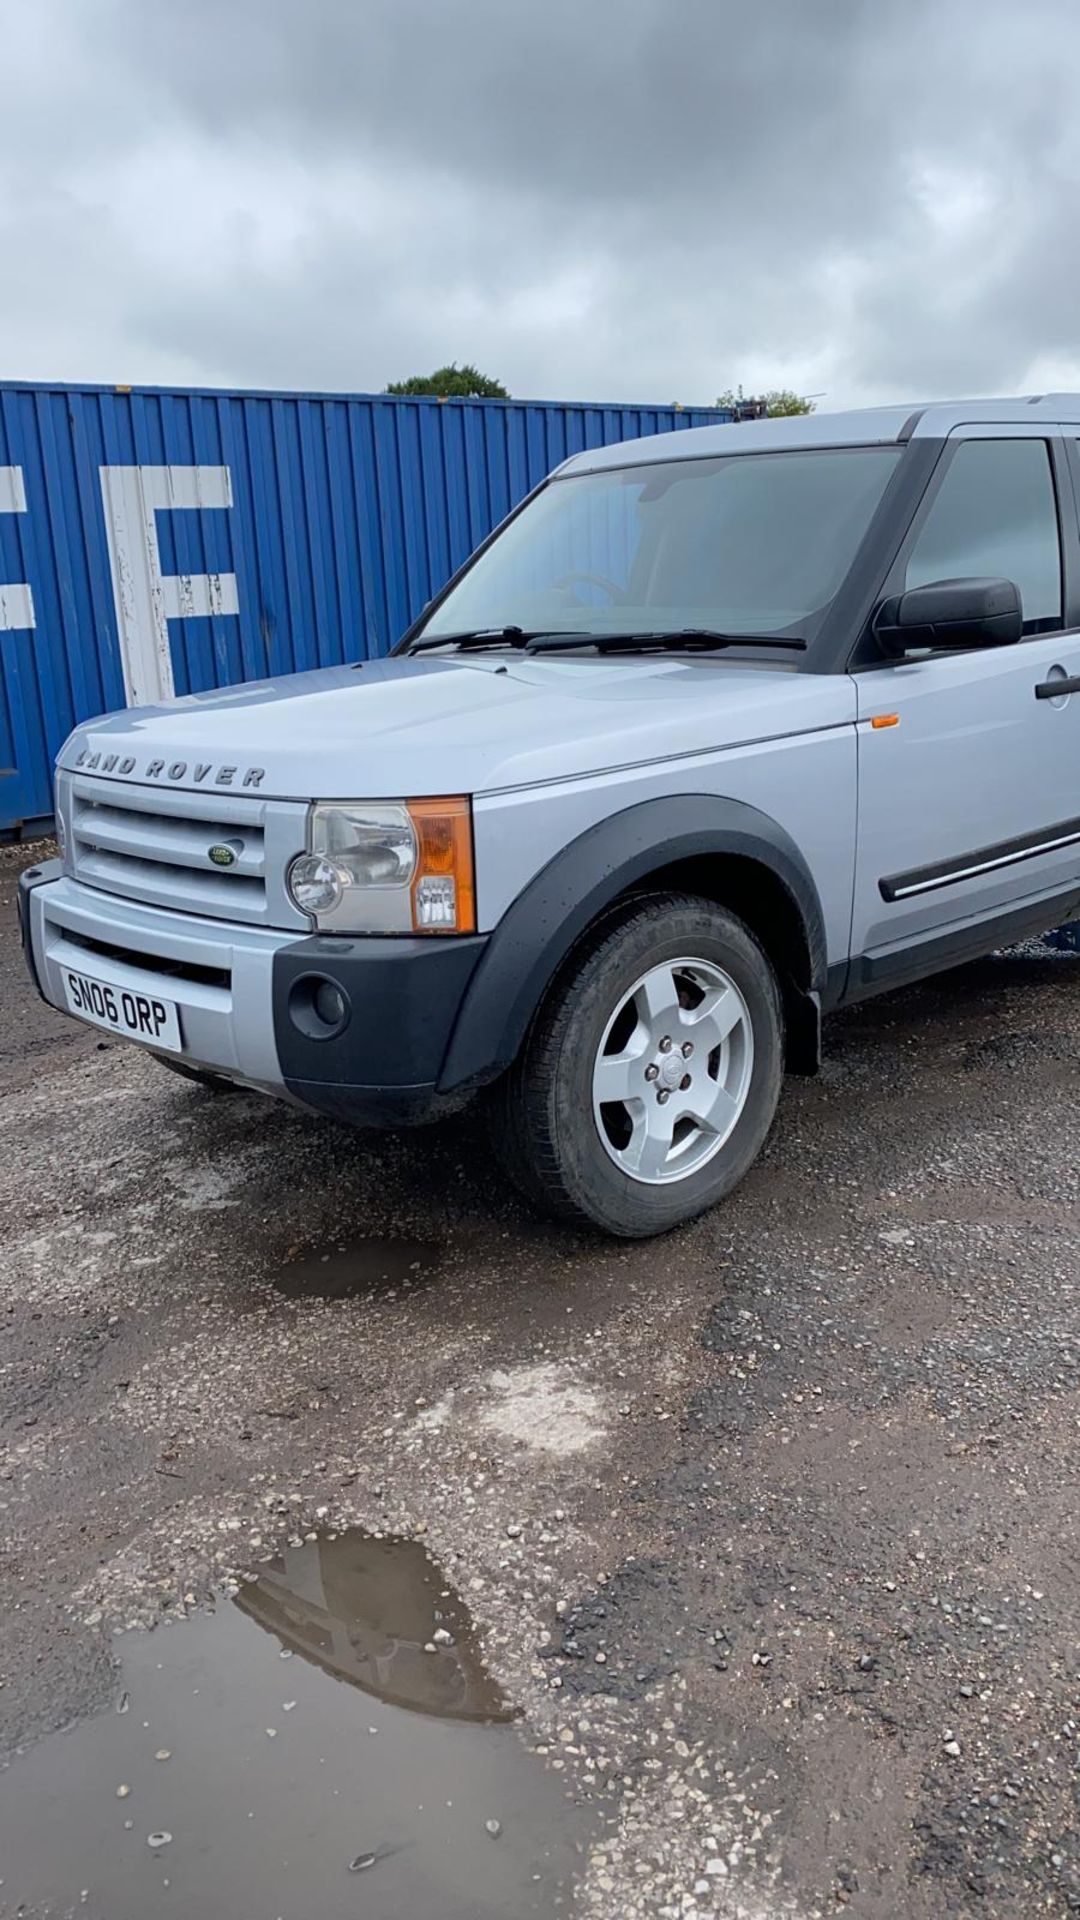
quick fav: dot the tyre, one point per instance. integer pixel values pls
(213, 1082)
(650, 1079)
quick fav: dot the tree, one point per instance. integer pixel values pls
(777, 402)
(781, 400)
(452, 383)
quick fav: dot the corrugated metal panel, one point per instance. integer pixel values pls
(157, 540)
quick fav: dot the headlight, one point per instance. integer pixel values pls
(384, 867)
(316, 885)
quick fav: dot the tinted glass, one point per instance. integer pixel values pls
(995, 514)
(752, 543)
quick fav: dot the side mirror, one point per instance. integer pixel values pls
(950, 616)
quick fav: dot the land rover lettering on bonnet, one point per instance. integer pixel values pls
(719, 731)
(125, 767)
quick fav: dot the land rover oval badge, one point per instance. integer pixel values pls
(223, 853)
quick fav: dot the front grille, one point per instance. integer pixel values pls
(153, 844)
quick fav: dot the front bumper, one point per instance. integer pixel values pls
(244, 996)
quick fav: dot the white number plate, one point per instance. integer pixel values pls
(142, 1016)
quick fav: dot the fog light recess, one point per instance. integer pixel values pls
(318, 1007)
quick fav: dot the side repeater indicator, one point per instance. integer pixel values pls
(880, 720)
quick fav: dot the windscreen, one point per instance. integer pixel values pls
(750, 543)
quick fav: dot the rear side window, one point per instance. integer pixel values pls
(995, 513)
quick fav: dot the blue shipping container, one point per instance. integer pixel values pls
(154, 542)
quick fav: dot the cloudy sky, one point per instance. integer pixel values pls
(599, 199)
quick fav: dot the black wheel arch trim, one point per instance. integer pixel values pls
(542, 926)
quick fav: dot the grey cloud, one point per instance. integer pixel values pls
(605, 198)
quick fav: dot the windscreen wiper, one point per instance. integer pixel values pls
(681, 640)
(483, 637)
(667, 639)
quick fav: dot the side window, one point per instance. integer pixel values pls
(995, 513)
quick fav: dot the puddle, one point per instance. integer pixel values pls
(357, 1267)
(305, 1755)
(367, 1611)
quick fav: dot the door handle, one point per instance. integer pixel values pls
(1053, 689)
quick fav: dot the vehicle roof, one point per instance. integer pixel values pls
(865, 427)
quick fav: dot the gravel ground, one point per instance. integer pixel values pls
(769, 1528)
